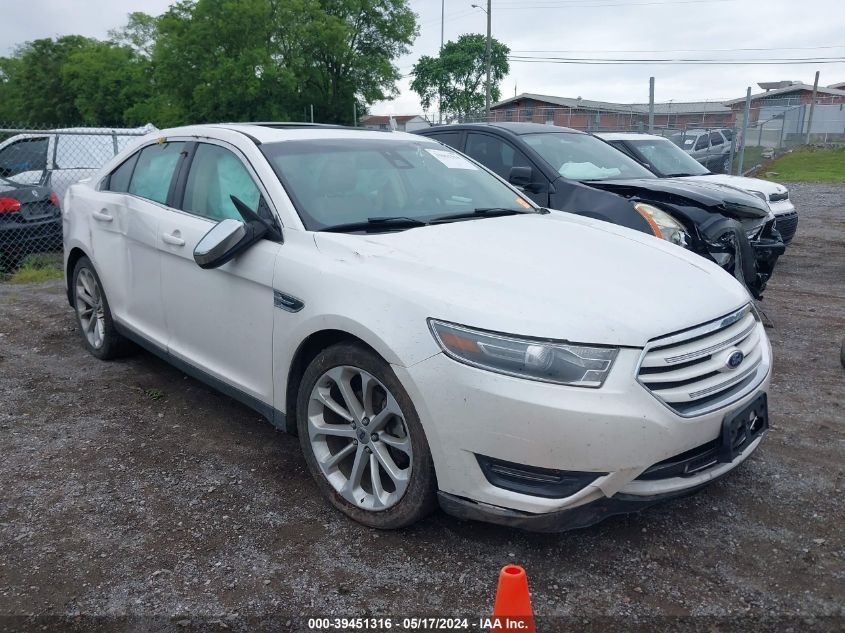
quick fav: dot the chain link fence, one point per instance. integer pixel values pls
(36, 168)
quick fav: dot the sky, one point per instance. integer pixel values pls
(642, 29)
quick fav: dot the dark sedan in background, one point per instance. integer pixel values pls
(30, 221)
(572, 171)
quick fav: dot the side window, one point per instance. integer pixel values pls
(701, 143)
(716, 138)
(119, 178)
(495, 154)
(29, 154)
(154, 171)
(216, 175)
(450, 138)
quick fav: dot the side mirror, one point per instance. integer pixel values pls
(521, 176)
(226, 239)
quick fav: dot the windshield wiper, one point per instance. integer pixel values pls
(372, 225)
(481, 212)
(679, 175)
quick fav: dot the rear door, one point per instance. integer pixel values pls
(452, 138)
(219, 320)
(124, 221)
(701, 150)
(719, 149)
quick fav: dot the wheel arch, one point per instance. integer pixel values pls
(73, 257)
(308, 349)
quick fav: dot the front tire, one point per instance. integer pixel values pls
(93, 314)
(362, 439)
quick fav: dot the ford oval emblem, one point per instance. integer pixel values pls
(735, 359)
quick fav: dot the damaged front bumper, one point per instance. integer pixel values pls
(752, 262)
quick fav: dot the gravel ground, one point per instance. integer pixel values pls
(134, 497)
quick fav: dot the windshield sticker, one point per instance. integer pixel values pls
(451, 159)
(523, 203)
(587, 171)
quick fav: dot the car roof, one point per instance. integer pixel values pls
(514, 128)
(629, 136)
(273, 132)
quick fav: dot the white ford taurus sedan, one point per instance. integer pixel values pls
(429, 334)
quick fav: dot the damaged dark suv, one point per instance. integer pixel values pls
(564, 169)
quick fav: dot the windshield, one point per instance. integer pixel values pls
(584, 157)
(666, 158)
(336, 182)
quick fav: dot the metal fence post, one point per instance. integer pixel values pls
(745, 119)
(651, 105)
(812, 107)
(733, 148)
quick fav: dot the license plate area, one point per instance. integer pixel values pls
(741, 428)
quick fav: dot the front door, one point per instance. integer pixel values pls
(499, 156)
(219, 320)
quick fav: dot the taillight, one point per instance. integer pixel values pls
(54, 198)
(9, 205)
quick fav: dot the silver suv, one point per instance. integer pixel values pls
(711, 148)
(59, 158)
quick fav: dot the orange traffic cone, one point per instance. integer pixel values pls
(512, 610)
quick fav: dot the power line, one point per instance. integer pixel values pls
(679, 62)
(681, 50)
(501, 7)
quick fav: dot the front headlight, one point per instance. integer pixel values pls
(561, 363)
(662, 224)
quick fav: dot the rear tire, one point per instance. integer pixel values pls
(362, 439)
(93, 314)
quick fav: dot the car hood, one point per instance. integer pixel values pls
(556, 276)
(740, 182)
(714, 196)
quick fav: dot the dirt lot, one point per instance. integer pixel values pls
(130, 490)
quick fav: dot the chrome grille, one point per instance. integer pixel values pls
(690, 372)
(787, 224)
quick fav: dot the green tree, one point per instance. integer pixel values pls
(34, 90)
(458, 75)
(348, 55)
(106, 80)
(139, 33)
(219, 60)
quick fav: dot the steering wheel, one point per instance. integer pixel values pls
(428, 199)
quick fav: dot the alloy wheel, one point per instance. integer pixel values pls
(89, 307)
(359, 438)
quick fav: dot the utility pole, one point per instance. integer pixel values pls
(312, 113)
(812, 107)
(487, 59)
(442, 31)
(651, 105)
(745, 119)
(487, 96)
(442, 22)
(354, 114)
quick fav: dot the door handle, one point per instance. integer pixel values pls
(102, 216)
(173, 238)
